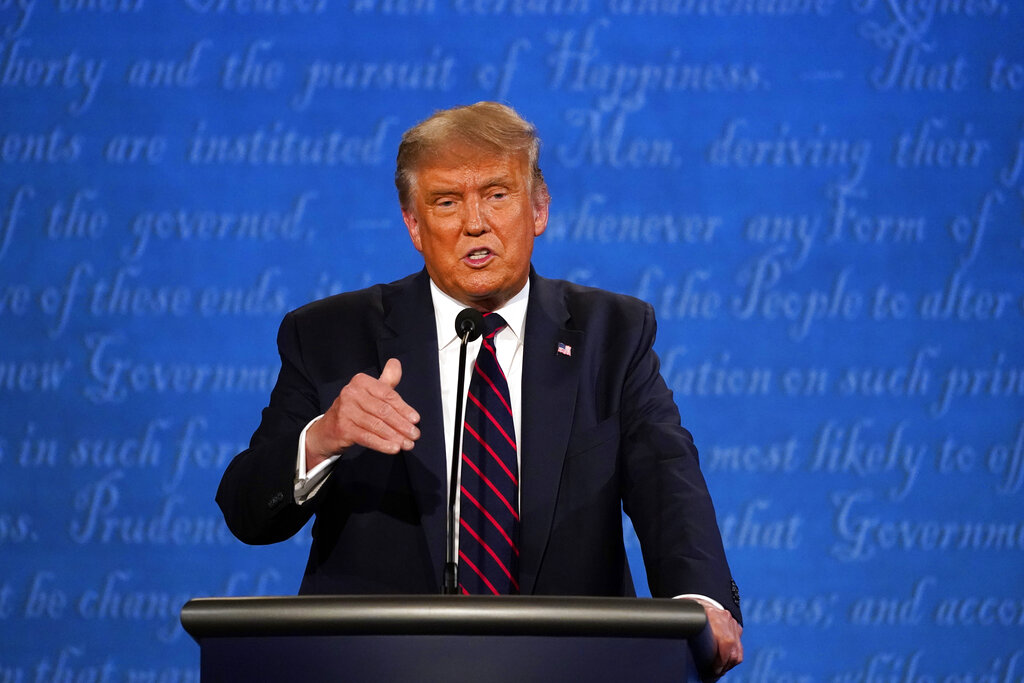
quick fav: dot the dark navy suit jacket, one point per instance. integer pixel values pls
(600, 432)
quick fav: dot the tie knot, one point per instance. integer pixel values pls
(492, 324)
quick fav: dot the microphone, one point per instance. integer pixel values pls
(469, 325)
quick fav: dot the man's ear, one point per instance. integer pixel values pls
(540, 215)
(413, 226)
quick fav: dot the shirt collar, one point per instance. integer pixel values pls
(447, 308)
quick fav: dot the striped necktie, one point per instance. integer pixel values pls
(489, 500)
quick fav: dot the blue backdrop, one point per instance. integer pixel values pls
(824, 200)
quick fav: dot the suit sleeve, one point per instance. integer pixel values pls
(664, 492)
(256, 493)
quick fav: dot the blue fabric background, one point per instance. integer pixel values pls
(824, 200)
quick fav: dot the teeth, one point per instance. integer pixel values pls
(479, 253)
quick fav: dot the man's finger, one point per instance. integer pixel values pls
(390, 376)
(392, 373)
(727, 634)
(388, 419)
(382, 440)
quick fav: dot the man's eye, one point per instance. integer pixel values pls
(499, 195)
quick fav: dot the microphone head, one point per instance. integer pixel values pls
(469, 322)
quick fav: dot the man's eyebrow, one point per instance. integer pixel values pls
(502, 180)
(441, 191)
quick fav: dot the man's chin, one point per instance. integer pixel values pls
(485, 299)
(484, 289)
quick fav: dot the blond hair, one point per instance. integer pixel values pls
(487, 126)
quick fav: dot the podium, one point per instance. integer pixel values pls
(448, 638)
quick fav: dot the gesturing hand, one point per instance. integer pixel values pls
(368, 412)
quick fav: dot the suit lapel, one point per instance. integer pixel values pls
(409, 314)
(550, 382)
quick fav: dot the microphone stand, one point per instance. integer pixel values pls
(450, 585)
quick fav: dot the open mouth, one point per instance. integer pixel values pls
(478, 257)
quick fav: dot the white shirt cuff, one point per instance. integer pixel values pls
(700, 598)
(308, 483)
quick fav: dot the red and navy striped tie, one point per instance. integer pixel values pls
(489, 503)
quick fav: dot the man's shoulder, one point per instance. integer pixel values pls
(587, 304)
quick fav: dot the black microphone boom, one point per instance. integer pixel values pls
(469, 324)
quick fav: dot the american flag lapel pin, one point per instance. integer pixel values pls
(564, 349)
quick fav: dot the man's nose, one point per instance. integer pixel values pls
(474, 221)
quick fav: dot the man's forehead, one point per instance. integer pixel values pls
(471, 166)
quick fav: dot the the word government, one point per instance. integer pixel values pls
(117, 377)
(862, 536)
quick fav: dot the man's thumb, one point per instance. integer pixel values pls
(392, 373)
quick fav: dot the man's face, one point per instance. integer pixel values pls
(473, 217)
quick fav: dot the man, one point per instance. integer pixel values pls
(363, 414)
